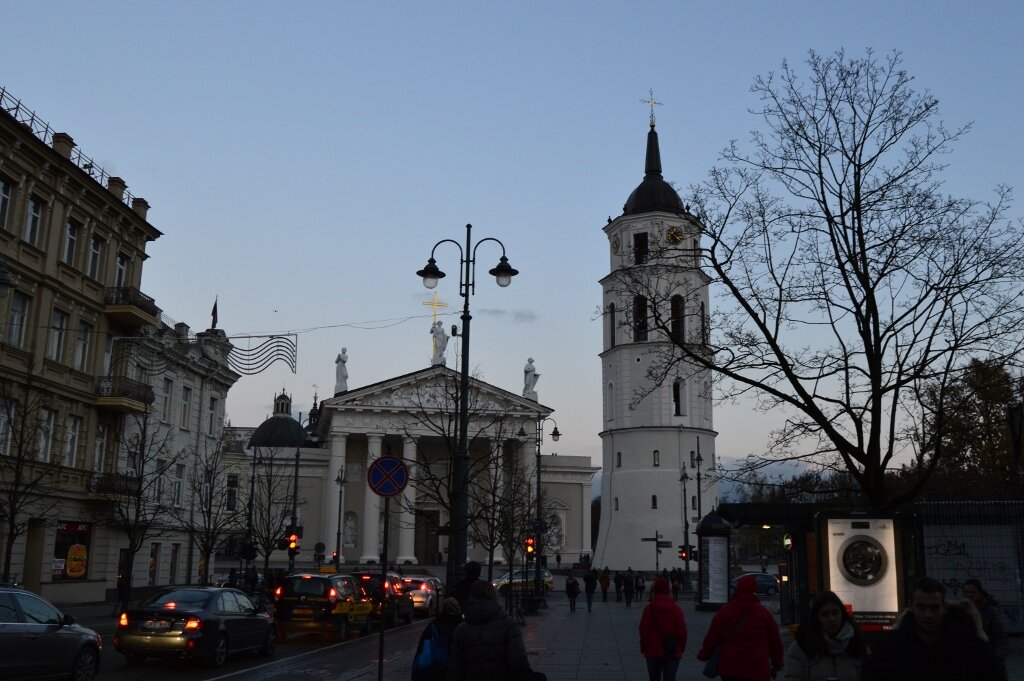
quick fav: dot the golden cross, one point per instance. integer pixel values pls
(651, 102)
(434, 304)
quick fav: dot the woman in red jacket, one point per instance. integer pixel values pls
(662, 633)
(748, 634)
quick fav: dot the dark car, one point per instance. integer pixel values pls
(38, 641)
(326, 604)
(194, 622)
(426, 591)
(389, 599)
(766, 584)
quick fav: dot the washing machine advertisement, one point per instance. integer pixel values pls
(861, 564)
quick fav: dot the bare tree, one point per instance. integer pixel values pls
(27, 463)
(850, 282)
(271, 500)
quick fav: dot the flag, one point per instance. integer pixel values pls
(214, 313)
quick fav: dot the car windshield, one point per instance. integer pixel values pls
(305, 586)
(412, 584)
(180, 598)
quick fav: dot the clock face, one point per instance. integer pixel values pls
(615, 244)
(674, 235)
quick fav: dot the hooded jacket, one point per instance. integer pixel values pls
(661, 617)
(753, 648)
(488, 645)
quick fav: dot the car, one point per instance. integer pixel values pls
(194, 622)
(426, 591)
(390, 601)
(328, 604)
(766, 584)
(521, 580)
(38, 641)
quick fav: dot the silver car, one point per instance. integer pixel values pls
(426, 591)
(38, 641)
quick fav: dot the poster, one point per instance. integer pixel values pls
(71, 550)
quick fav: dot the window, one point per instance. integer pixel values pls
(639, 319)
(108, 354)
(58, 327)
(95, 257)
(693, 503)
(161, 470)
(71, 231)
(611, 401)
(211, 422)
(654, 501)
(616, 503)
(74, 427)
(7, 408)
(678, 315)
(18, 320)
(657, 458)
(204, 492)
(693, 459)
(640, 248)
(679, 397)
(618, 459)
(179, 484)
(5, 200)
(47, 420)
(165, 407)
(82, 346)
(99, 450)
(611, 325)
(186, 402)
(232, 496)
(121, 272)
(33, 220)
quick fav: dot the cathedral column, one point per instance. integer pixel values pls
(406, 514)
(499, 483)
(371, 506)
(585, 544)
(335, 464)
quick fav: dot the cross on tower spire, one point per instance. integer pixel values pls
(651, 102)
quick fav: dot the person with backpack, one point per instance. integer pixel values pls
(662, 633)
(430, 663)
(572, 590)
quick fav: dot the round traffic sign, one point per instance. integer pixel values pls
(387, 476)
(787, 542)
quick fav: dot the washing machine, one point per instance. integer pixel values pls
(862, 566)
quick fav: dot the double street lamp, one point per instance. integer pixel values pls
(539, 521)
(431, 274)
(684, 477)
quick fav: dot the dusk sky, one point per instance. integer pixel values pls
(302, 159)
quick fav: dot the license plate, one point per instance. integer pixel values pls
(157, 625)
(357, 618)
(302, 611)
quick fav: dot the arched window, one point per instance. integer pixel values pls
(654, 501)
(611, 401)
(611, 325)
(657, 458)
(616, 503)
(678, 315)
(618, 459)
(639, 319)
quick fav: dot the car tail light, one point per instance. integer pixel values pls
(332, 596)
(122, 621)
(277, 592)
(425, 587)
(191, 624)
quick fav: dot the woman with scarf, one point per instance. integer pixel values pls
(751, 648)
(829, 645)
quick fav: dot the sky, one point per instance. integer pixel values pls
(302, 159)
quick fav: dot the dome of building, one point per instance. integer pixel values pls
(654, 193)
(280, 430)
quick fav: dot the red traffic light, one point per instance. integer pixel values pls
(530, 544)
(293, 541)
(682, 553)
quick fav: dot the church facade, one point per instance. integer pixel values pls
(658, 438)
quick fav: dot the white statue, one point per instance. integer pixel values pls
(351, 531)
(440, 343)
(341, 372)
(530, 377)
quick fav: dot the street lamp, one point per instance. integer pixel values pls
(431, 274)
(541, 527)
(700, 461)
(312, 437)
(684, 477)
(340, 480)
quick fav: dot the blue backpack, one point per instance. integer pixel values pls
(434, 654)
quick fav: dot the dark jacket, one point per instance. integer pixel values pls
(590, 583)
(461, 590)
(487, 646)
(957, 655)
(445, 624)
(572, 587)
(661, 618)
(753, 648)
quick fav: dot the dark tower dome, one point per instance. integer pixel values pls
(280, 430)
(654, 193)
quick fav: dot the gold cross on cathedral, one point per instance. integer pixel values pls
(651, 102)
(435, 303)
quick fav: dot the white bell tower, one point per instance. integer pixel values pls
(653, 432)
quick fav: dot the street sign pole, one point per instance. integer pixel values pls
(387, 476)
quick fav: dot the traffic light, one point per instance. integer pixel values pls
(293, 544)
(530, 546)
(282, 543)
(683, 553)
(334, 556)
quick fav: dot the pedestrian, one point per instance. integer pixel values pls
(604, 581)
(461, 589)
(558, 561)
(572, 590)
(662, 633)
(641, 584)
(233, 578)
(930, 642)
(829, 645)
(677, 584)
(617, 581)
(628, 586)
(489, 644)
(745, 637)
(433, 666)
(990, 622)
(589, 587)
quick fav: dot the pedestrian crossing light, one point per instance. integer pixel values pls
(530, 546)
(683, 553)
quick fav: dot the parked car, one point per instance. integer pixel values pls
(766, 584)
(38, 641)
(328, 604)
(389, 599)
(426, 591)
(520, 580)
(194, 622)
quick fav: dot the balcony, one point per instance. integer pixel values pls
(114, 485)
(130, 306)
(123, 394)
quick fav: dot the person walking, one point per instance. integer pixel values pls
(641, 584)
(990, 622)
(439, 636)
(572, 590)
(589, 587)
(461, 589)
(751, 648)
(628, 586)
(489, 644)
(617, 581)
(829, 645)
(604, 581)
(662, 633)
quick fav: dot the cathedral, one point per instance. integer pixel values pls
(658, 437)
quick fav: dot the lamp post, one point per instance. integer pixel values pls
(700, 462)
(684, 477)
(252, 497)
(503, 273)
(539, 522)
(340, 481)
(310, 436)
